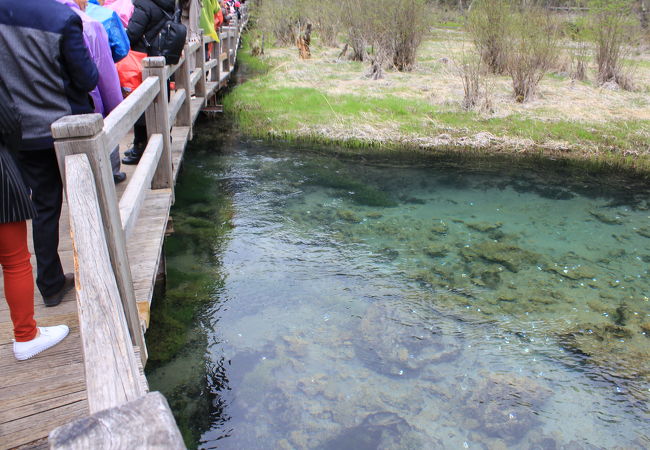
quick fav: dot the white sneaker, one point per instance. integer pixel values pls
(49, 337)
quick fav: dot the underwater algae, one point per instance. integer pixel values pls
(470, 307)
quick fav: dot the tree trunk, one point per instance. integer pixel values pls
(304, 41)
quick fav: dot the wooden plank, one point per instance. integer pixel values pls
(181, 137)
(134, 195)
(175, 104)
(143, 423)
(111, 377)
(118, 123)
(193, 47)
(210, 64)
(145, 244)
(37, 426)
(94, 147)
(195, 76)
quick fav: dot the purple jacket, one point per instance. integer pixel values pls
(108, 94)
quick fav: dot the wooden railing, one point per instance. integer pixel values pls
(112, 332)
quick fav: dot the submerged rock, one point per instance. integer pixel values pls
(348, 216)
(394, 342)
(616, 353)
(644, 231)
(510, 256)
(484, 227)
(439, 227)
(436, 250)
(506, 406)
(606, 219)
(379, 430)
(578, 272)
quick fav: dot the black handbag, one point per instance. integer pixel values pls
(170, 40)
(10, 119)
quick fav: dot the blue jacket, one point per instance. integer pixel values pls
(45, 65)
(117, 38)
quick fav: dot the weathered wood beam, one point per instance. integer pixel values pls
(135, 192)
(195, 76)
(84, 134)
(140, 424)
(112, 374)
(120, 121)
(175, 104)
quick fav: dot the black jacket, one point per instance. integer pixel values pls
(147, 20)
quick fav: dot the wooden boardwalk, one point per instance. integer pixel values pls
(50, 390)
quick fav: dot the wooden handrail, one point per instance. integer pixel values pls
(85, 134)
(175, 104)
(194, 77)
(131, 201)
(118, 123)
(112, 377)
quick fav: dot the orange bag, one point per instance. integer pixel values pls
(129, 70)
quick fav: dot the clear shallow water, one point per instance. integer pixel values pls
(319, 303)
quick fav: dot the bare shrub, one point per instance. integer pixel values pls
(355, 23)
(532, 50)
(477, 92)
(612, 27)
(489, 23)
(324, 16)
(468, 68)
(409, 20)
(579, 62)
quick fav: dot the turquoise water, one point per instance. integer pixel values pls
(314, 302)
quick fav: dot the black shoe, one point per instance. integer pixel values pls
(119, 177)
(132, 156)
(55, 299)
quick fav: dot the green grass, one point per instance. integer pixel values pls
(259, 108)
(262, 107)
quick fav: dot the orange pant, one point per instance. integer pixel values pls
(18, 278)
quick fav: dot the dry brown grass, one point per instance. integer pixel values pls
(434, 80)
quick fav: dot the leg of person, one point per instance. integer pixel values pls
(41, 173)
(133, 155)
(30, 340)
(18, 279)
(118, 176)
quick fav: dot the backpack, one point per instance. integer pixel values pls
(170, 39)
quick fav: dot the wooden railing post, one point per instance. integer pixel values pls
(216, 71)
(84, 134)
(225, 48)
(233, 46)
(201, 88)
(184, 118)
(158, 121)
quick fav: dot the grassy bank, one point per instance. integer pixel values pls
(330, 101)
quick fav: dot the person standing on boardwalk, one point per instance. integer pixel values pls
(108, 93)
(15, 209)
(147, 20)
(49, 73)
